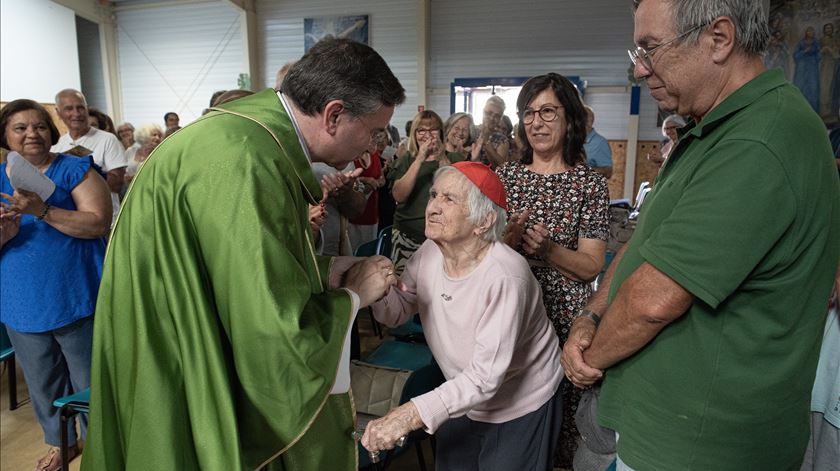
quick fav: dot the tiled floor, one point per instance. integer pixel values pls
(22, 442)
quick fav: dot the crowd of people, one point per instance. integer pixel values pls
(210, 306)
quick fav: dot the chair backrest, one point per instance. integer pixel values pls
(368, 249)
(384, 230)
(6, 349)
(383, 246)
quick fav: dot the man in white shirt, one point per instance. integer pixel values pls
(106, 149)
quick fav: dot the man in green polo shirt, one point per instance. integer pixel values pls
(711, 317)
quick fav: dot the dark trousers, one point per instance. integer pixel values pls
(525, 443)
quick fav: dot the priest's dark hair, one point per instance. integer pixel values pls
(341, 69)
(17, 106)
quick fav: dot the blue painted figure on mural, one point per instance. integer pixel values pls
(807, 73)
(829, 58)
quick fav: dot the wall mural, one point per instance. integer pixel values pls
(805, 44)
(351, 27)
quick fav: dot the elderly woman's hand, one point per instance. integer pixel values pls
(9, 224)
(576, 369)
(382, 434)
(371, 279)
(25, 202)
(515, 228)
(537, 241)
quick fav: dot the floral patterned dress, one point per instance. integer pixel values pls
(572, 205)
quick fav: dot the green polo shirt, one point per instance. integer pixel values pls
(410, 217)
(746, 217)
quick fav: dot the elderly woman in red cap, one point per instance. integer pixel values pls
(484, 320)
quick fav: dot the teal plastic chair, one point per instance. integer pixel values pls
(7, 356)
(384, 242)
(77, 403)
(425, 376)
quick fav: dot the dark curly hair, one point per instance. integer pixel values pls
(575, 115)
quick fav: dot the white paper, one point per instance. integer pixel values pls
(342, 376)
(25, 176)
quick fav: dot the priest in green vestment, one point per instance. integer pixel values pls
(219, 333)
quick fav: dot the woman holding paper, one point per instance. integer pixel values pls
(51, 253)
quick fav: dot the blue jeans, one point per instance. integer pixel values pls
(55, 363)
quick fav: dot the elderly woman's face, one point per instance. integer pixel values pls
(126, 134)
(492, 115)
(448, 209)
(426, 129)
(671, 131)
(28, 134)
(154, 139)
(459, 132)
(547, 132)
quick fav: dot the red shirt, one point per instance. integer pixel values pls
(371, 213)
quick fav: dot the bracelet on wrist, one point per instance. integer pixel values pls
(588, 315)
(43, 214)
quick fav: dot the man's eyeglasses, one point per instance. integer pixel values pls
(425, 131)
(642, 56)
(547, 114)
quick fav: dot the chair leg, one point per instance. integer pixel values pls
(13, 404)
(65, 413)
(377, 329)
(418, 445)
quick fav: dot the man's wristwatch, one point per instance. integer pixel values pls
(589, 315)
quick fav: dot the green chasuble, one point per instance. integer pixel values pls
(217, 339)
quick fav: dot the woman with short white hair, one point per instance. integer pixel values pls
(670, 125)
(484, 320)
(148, 136)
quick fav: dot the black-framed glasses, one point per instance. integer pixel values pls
(642, 56)
(547, 114)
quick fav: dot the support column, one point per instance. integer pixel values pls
(424, 10)
(111, 66)
(632, 143)
(248, 30)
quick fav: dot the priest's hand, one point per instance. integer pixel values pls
(382, 434)
(371, 279)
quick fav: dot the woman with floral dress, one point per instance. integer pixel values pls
(559, 213)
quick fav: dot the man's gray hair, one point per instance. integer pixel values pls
(480, 206)
(752, 30)
(69, 91)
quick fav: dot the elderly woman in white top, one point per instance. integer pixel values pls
(669, 131)
(484, 320)
(148, 136)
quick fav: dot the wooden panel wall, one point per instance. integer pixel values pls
(645, 169)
